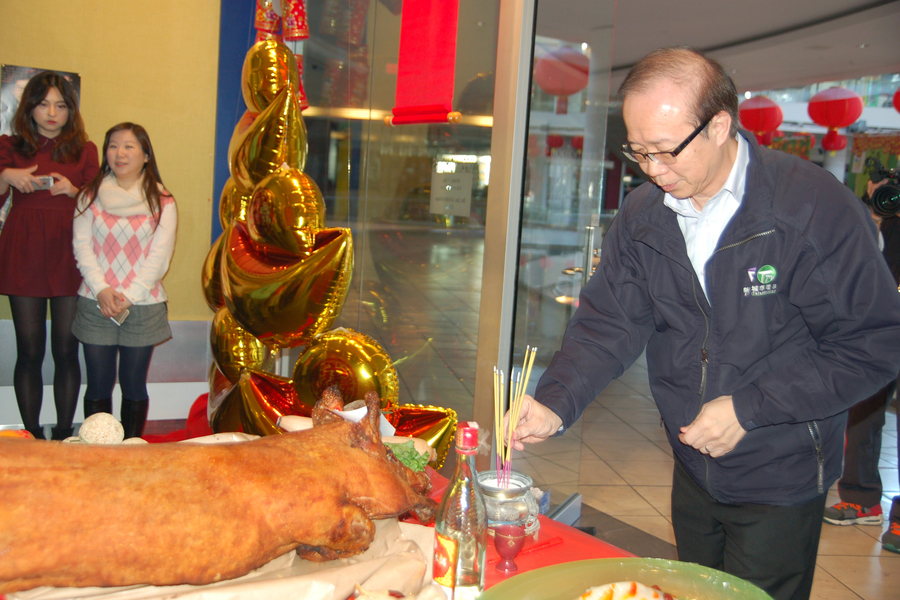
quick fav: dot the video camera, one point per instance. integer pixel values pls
(885, 201)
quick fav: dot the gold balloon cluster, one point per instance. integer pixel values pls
(277, 278)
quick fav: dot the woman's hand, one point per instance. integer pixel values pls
(62, 185)
(22, 179)
(112, 302)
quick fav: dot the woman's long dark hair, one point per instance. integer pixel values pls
(70, 140)
(150, 172)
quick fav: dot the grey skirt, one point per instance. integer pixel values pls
(146, 325)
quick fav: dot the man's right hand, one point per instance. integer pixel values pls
(536, 423)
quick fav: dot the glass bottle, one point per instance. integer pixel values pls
(461, 525)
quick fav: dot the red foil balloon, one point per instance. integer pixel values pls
(434, 424)
(254, 404)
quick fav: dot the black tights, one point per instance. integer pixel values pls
(30, 321)
(134, 363)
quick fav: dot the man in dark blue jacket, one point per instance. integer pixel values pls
(754, 282)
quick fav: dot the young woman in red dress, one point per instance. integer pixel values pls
(36, 260)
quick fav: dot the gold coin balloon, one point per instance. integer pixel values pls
(285, 212)
(350, 360)
(232, 204)
(211, 276)
(235, 349)
(285, 302)
(269, 66)
(276, 137)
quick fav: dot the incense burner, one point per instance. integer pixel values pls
(510, 500)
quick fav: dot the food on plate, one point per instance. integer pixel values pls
(625, 590)
(409, 453)
(76, 515)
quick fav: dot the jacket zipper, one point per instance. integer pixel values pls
(704, 360)
(752, 237)
(704, 355)
(820, 457)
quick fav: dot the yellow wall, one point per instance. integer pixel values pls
(153, 62)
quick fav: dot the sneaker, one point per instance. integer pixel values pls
(845, 513)
(891, 538)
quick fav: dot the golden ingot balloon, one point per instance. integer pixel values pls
(350, 360)
(234, 349)
(434, 424)
(243, 408)
(232, 204)
(285, 212)
(219, 386)
(276, 137)
(211, 276)
(269, 66)
(254, 404)
(286, 302)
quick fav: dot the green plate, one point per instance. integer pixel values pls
(685, 581)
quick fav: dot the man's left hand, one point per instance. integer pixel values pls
(716, 430)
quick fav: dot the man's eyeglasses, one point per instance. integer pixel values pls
(663, 158)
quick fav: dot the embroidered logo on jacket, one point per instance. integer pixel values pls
(762, 281)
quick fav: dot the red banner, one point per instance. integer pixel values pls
(427, 61)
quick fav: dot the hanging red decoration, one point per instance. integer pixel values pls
(834, 108)
(555, 141)
(760, 115)
(578, 142)
(833, 141)
(563, 72)
(897, 100)
(426, 63)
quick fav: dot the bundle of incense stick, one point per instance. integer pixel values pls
(517, 386)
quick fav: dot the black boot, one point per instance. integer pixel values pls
(37, 432)
(61, 433)
(134, 415)
(92, 407)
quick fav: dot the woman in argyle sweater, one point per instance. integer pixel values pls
(124, 235)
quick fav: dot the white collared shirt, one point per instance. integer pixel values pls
(702, 229)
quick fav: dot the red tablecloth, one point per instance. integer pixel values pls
(556, 543)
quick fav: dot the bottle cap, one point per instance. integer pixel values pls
(467, 435)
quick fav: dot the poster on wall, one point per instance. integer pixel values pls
(13, 80)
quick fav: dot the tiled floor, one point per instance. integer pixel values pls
(619, 460)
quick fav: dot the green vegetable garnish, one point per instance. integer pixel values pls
(407, 454)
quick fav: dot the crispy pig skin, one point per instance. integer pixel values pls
(75, 515)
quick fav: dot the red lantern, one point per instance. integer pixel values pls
(578, 142)
(834, 108)
(833, 141)
(761, 116)
(897, 100)
(554, 141)
(563, 72)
